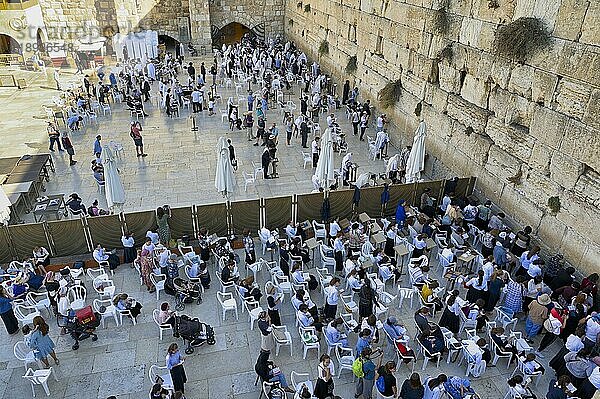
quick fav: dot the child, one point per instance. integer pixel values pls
(530, 365)
(211, 106)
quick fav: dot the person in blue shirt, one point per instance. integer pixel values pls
(6, 312)
(333, 333)
(174, 362)
(364, 386)
(250, 101)
(97, 145)
(363, 341)
(400, 213)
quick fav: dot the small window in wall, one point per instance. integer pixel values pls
(352, 32)
(379, 47)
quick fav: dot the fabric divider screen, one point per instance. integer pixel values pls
(462, 187)
(181, 222)
(309, 206)
(245, 215)
(435, 186)
(278, 211)
(398, 192)
(26, 236)
(370, 201)
(69, 237)
(139, 223)
(341, 203)
(5, 245)
(213, 217)
(106, 231)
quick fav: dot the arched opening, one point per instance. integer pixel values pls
(167, 44)
(230, 33)
(9, 45)
(39, 39)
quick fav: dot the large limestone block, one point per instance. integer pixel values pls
(449, 78)
(577, 61)
(488, 185)
(487, 36)
(467, 113)
(467, 58)
(549, 58)
(592, 111)
(436, 97)
(548, 126)
(414, 85)
(469, 31)
(538, 188)
(575, 211)
(588, 187)
(573, 246)
(589, 260)
(460, 7)
(501, 164)
(503, 14)
(520, 81)
(513, 139)
(475, 91)
(552, 232)
(542, 86)
(540, 158)
(473, 146)
(510, 108)
(565, 170)
(590, 31)
(521, 209)
(572, 98)
(547, 11)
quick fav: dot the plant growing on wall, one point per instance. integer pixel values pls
(307, 8)
(493, 4)
(554, 205)
(324, 47)
(441, 21)
(521, 38)
(446, 53)
(352, 64)
(291, 22)
(390, 94)
(299, 4)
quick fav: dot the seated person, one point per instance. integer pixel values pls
(387, 270)
(229, 272)
(20, 286)
(302, 297)
(486, 354)
(351, 264)
(165, 313)
(434, 341)
(75, 204)
(370, 323)
(41, 256)
(248, 290)
(306, 319)
(290, 230)
(364, 341)
(423, 324)
(519, 389)
(101, 255)
(397, 333)
(158, 392)
(501, 342)
(530, 365)
(95, 210)
(458, 387)
(428, 292)
(419, 275)
(333, 333)
(296, 248)
(98, 172)
(268, 371)
(124, 302)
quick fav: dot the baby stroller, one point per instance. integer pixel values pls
(195, 332)
(185, 292)
(80, 324)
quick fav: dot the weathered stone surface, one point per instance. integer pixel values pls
(466, 113)
(572, 98)
(589, 30)
(511, 138)
(569, 19)
(565, 170)
(542, 86)
(475, 91)
(520, 81)
(548, 126)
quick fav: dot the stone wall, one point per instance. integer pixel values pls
(528, 131)
(69, 20)
(163, 17)
(263, 16)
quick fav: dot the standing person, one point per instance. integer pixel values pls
(345, 92)
(68, 146)
(250, 101)
(6, 312)
(232, 155)
(304, 132)
(128, 242)
(366, 300)
(265, 161)
(145, 89)
(136, 135)
(40, 342)
(266, 332)
(364, 386)
(191, 71)
(249, 248)
(175, 362)
(324, 386)
(162, 220)
(412, 388)
(54, 136)
(56, 78)
(98, 145)
(355, 118)
(331, 298)
(203, 72)
(315, 148)
(196, 104)
(386, 374)
(274, 298)
(260, 132)
(249, 124)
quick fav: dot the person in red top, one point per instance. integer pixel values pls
(136, 135)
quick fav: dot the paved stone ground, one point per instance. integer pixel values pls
(179, 162)
(119, 361)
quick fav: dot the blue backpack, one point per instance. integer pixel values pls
(380, 384)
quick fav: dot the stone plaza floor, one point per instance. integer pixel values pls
(180, 171)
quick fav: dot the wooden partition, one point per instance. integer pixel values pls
(245, 215)
(213, 217)
(278, 211)
(69, 237)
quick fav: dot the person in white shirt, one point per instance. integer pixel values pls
(196, 104)
(350, 265)
(334, 229)
(448, 253)
(316, 184)
(152, 235)
(445, 203)
(331, 298)
(534, 268)
(353, 282)
(128, 244)
(488, 269)
(290, 230)
(315, 148)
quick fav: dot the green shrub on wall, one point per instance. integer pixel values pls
(390, 94)
(324, 48)
(307, 8)
(554, 204)
(441, 21)
(352, 64)
(520, 39)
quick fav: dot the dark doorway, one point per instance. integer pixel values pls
(39, 38)
(167, 44)
(8, 45)
(230, 33)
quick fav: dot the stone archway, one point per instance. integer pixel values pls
(9, 45)
(230, 33)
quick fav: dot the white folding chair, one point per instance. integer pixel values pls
(304, 332)
(40, 377)
(227, 302)
(161, 373)
(161, 327)
(158, 280)
(106, 308)
(39, 300)
(282, 337)
(345, 359)
(24, 354)
(405, 293)
(24, 313)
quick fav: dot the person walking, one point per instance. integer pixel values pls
(136, 135)
(40, 342)
(54, 136)
(6, 312)
(68, 146)
(364, 386)
(56, 78)
(162, 220)
(304, 132)
(175, 362)
(98, 145)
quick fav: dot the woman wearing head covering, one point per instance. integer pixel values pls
(143, 261)
(6, 312)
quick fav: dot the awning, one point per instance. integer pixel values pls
(90, 46)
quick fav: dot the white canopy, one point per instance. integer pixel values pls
(113, 186)
(325, 167)
(224, 179)
(416, 160)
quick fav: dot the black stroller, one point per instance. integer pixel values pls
(185, 292)
(193, 331)
(80, 325)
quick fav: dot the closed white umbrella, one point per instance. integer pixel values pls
(113, 186)
(325, 166)
(4, 207)
(224, 180)
(392, 164)
(416, 160)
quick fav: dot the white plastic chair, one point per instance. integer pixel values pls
(299, 379)
(405, 293)
(282, 337)
(77, 295)
(40, 377)
(307, 158)
(39, 300)
(331, 345)
(158, 280)
(428, 355)
(106, 108)
(227, 302)
(326, 261)
(254, 310)
(249, 178)
(24, 354)
(224, 286)
(349, 305)
(109, 310)
(92, 273)
(345, 359)
(161, 373)
(521, 369)
(302, 331)
(320, 230)
(161, 327)
(25, 314)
